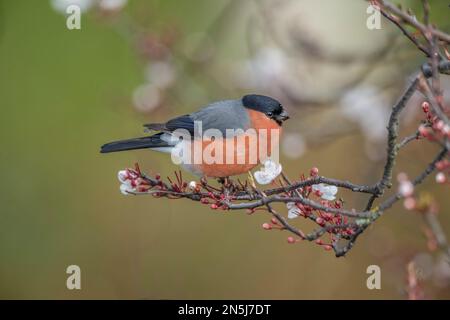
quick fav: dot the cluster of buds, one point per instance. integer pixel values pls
(132, 182)
(443, 174)
(273, 224)
(298, 210)
(179, 185)
(325, 246)
(435, 129)
(320, 190)
(215, 202)
(323, 219)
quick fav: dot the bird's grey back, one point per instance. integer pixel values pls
(222, 115)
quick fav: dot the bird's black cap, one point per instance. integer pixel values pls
(261, 103)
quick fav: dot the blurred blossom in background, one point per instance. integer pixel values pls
(62, 5)
(85, 5)
(67, 92)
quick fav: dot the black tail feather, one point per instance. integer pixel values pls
(133, 144)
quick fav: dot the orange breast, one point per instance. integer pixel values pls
(240, 154)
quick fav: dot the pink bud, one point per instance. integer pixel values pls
(266, 226)
(214, 206)
(440, 177)
(446, 130)
(440, 165)
(320, 221)
(314, 171)
(425, 106)
(157, 176)
(132, 174)
(327, 247)
(319, 241)
(327, 216)
(409, 203)
(274, 221)
(290, 240)
(439, 125)
(423, 131)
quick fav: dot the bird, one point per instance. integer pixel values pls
(253, 115)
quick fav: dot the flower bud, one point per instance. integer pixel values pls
(440, 165)
(439, 125)
(320, 221)
(425, 106)
(290, 240)
(266, 226)
(440, 177)
(314, 171)
(423, 131)
(406, 188)
(409, 203)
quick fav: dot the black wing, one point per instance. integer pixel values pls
(182, 122)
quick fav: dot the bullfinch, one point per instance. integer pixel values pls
(230, 121)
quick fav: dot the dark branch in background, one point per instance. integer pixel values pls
(439, 235)
(341, 226)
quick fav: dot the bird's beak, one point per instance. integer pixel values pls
(282, 116)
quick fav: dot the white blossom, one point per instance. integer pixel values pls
(129, 181)
(406, 188)
(440, 177)
(327, 192)
(112, 5)
(161, 73)
(293, 210)
(268, 65)
(146, 97)
(192, 185)
(122, 175)
(268, 173)
(365, 106)
(126, 188)
(293, 145)
(446, 129)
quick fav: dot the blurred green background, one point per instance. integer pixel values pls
(64, 93)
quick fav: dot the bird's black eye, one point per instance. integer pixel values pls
(269, 114)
